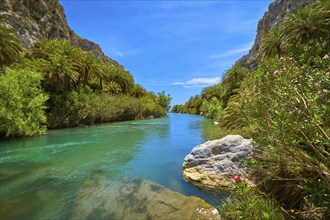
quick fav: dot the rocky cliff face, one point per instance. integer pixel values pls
(277, 10)
(43, 19)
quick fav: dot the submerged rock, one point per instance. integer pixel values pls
(212, 163)
(100, 198)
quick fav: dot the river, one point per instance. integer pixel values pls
(40, 176)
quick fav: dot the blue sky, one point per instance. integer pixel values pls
(176, 46)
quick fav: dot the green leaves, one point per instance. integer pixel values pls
(22, 104)
(245, 203)
(10, 46)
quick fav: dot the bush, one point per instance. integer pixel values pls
(83, 106)
(212, 109)
(246, 204)
(22, 103)
(291, 116)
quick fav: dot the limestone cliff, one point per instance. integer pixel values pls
(277, 10)
(43, 19)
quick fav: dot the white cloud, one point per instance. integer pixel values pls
(228, 53)
(208, 81)
(198, 82)
(118, 53)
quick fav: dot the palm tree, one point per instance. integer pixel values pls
(211, 91)
(60, 61)
(235, 75)
(232, 81)
(42, 49)
(324, 5)
(272, 43)
(60, 70)
(10, 46)
(124, 79)
(92, 67)
(113, 88)
(139, 91)
(307, 25)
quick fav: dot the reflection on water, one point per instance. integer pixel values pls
(40, 176)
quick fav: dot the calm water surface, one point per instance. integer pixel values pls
(40, 176)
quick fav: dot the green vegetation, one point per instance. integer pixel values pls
(22, 103)
(10, 46)
(248, 204)
(59, 85)
(284, 105)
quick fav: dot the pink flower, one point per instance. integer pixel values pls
(326, 56)
(322, 91)
(236, 178)
(276, 72)
(327, 73)
(318, 83)
(290, 59)
(306, 121)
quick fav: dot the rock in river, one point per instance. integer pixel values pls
(212, 163)
(101, 198)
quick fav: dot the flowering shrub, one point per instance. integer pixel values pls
(291, 117)
(246, 204)
(236, 178)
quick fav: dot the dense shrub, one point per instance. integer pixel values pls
(84, 106)
(22, 103)
(291, 114)
(246, 204)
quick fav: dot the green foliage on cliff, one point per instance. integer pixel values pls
(284, 106)
(70, 86)
(10, 47)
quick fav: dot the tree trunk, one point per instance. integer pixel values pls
(101, 85)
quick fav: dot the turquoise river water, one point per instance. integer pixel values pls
(40, 176)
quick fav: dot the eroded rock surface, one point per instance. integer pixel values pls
(100, 198)
(44, 19)
(212, 163)
(277, 10)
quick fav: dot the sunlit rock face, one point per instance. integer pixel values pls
(212, 163)
(43, 19)
(101, 198)
(276, 13)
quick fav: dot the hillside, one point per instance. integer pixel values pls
(44, 19)
(52, 78)
(276, 13)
